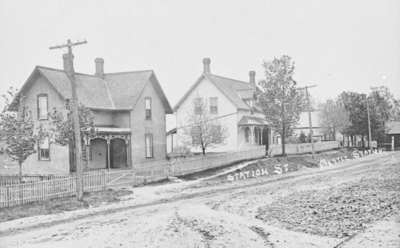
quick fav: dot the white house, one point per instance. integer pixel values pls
(232, 103)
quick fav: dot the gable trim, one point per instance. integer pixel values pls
(157, 87)
(196, 84)
(188, 92)
(35, 73)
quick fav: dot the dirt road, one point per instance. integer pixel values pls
(354, 204)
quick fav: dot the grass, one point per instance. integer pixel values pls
(61, 204)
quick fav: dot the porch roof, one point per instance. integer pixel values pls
(112, 130)
(252, 121)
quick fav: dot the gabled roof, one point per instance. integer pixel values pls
(252, 121)
(115, 91)
(235, 90)
(393, 127)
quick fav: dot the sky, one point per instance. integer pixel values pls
(338, 45)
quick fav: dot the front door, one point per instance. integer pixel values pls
(98, 154)
(118, 153)
(265, 137)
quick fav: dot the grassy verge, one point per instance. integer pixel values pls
(62, 204)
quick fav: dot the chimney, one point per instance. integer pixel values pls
(68, 63)
(99, 62)
(252, 78)
(206, 65)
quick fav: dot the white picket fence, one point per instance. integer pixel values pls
(304, 147)
(39, 189)
(157, 170)
(22, 193)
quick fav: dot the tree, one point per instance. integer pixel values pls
(18, 129)
(382, 107)
(204, 130)
(334, 117)
(279, 99)
(63, 132)
(355, 105)
(302, 137)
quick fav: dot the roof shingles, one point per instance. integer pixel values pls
(113, 91)
(236, 91)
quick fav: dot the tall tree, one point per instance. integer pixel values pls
(279, 99)
(355, 105)
(383, 107)
(334, 117)
(62, 130)
(204, 130)
(18, 129)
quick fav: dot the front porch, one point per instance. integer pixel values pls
(110, 148)
(253, 131)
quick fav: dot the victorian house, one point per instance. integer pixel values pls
(232, 103)
(129, 111)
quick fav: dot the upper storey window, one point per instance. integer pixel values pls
(198, 106)
(147, 105)
(213, 105)
(42, 107)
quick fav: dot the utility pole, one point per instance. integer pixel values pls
(309, 116)
(74, 112)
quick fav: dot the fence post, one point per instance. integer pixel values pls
(8, 198)
(104, 179)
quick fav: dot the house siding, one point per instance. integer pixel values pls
(111, 118)
(140, 126)
(227, 114)
(59, 156)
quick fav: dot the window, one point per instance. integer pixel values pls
(44, 149)
(148, 138)
(42, 107)
(195, 133)
(147, 106)
(213, 105)
(198, 106)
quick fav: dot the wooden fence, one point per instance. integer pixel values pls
(304, 147)
(6, 180)
(157, 170)
(22, 193)
(40, 188)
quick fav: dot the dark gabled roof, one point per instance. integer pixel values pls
(235, 90)
(115, 91)
(393, 127)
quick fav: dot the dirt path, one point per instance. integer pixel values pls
(200, 214)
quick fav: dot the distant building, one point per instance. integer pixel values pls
(393, 135)
(232, 103)
(303, 126)
(129, 113)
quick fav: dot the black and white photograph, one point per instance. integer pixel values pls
(200, 124)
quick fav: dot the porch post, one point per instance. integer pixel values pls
(87, 153)
(252, 140)
(128, 154)
(108, 153)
